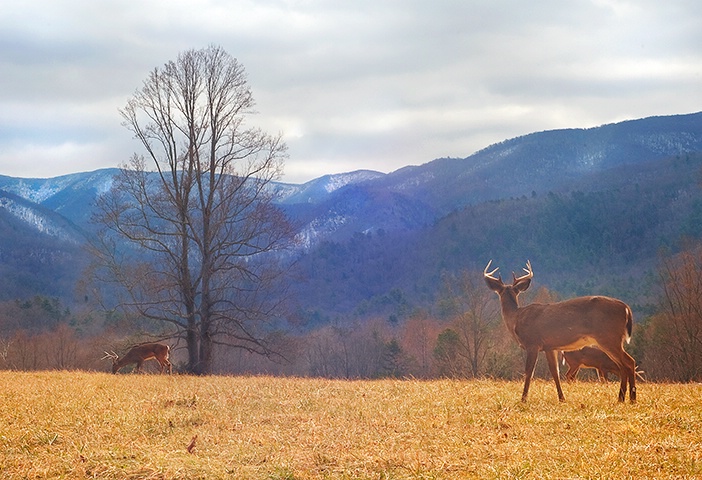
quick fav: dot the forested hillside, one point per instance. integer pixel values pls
(40, 251)
(382, 262)
(602, 237)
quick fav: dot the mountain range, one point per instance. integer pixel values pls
(577, 202)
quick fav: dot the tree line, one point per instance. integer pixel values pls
(461, 336)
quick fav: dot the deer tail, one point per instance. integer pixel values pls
(629, 324)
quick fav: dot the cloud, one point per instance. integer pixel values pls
(351, 85)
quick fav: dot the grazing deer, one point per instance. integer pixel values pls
(592, 357)
(589, 357)
(139, 354)
(565, 326)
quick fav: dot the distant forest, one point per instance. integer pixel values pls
(391, 304)
(460, 336)
(598, 240)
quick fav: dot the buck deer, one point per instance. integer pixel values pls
(589, 357)
(139, 354)
(568, 325)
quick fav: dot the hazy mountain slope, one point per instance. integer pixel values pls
(570, 200)
(337, 206)
(318, 190)
(38, 218)
(545, 161)
(604, 240)
(71, 196)
(533, 164)
(40, 251)
(360, 208)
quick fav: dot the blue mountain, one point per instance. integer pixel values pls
(406, 215)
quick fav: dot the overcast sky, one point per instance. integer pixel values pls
(351, 84)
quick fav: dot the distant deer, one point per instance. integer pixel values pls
(589, 357)
(139, 354)
(565, 326)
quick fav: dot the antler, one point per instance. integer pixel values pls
(529, 272)
(112, 355)
(490, 274)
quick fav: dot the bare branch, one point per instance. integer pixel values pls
(191, 227)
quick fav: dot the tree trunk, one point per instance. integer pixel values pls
(192, 344)
(206, 346)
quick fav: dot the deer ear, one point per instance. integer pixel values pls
(522, 284)
(494, 284)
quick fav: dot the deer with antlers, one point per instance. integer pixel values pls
(568, 325)
(139, 354)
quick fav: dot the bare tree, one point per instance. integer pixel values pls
(417, 335)
(674, 334)
(190, 226)
(474, 325)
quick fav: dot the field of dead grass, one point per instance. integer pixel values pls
(96, 425)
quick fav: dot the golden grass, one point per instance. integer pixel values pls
(85, 425)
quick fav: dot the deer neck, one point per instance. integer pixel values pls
(510, 307)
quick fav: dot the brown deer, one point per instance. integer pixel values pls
(139, 354)
(565, 326)
(592, 357)
(589, 357)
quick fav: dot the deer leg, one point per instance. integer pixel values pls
(138, 366)
(624, 380)
(572, 372)
(623, 383)
(630, 370)
(627, 371)
(531, 357)
(601, 376)
(165, 364)
(552, 359)
(622, 359)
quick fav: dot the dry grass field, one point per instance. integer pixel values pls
(95, 425)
